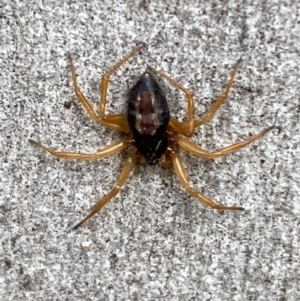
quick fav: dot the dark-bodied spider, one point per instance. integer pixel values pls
(154, 134)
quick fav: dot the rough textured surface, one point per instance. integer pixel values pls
(153, 241)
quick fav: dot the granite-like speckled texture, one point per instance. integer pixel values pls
(153, 241)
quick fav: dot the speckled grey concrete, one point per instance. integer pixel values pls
(153, 241)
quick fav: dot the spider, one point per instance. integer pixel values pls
(154, 134)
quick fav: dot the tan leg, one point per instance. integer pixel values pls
(198, 151)
(186, 128)
(127, 168)
(105, 119)
(80, 95)
(115, 122)
(106, 151)
(182, 128)
(220, 100)
(181, 173)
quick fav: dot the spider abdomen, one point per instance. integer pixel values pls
(148, 118)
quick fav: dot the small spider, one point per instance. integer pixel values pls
(154, 134)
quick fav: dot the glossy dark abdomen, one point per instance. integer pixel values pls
(148, 118)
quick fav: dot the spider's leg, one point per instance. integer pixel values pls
(220, 100)
(84, 101)
(127, 168)
(106, 151)
(198, 151)
(114, 121)
(181, 173)
(187, 127)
